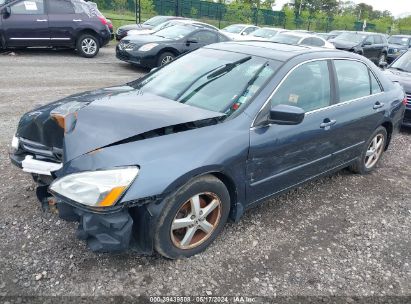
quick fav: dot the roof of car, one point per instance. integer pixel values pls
(271, 50)
(404, 36)
(298, 34)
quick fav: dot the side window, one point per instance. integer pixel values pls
(249, 30)
(370, 39)
(377, 39)
(32, 7)
(206, 37)
(375, 86)
(353, 79)
(307, 87)
(317, 42)
(60, 7)
(222, 38)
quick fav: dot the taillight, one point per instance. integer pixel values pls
(405, 100)
(103, 20)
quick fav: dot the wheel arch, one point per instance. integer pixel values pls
(90, 32)
(174, 51)
(389, 128)
(218, 173)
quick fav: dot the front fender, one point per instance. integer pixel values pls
(169, 161)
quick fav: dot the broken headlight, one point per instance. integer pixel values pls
(95, 188)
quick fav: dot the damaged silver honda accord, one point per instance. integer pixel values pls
(161, 163)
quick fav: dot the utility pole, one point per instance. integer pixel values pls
(299, 10)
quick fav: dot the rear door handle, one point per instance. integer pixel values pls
(378, 105)
(77, 20)
(327, 123)
(41, 20)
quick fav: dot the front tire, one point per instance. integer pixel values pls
(165, 58)
(192, 218)
(87, 45)
(372, 152)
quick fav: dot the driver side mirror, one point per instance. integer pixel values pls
(367, 43)
(286, 115)
(191, 40)
(243, 33)
(383, 65)
(6, 11)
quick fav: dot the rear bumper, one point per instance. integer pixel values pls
(406, 122)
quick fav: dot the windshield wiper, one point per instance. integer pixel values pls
(228, 67)
(216, 72)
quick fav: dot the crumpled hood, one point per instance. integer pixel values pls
(38, 126)
(343, 44)
(403, 78)
(121, 116)
(110, 115)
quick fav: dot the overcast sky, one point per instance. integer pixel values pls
(396, 7)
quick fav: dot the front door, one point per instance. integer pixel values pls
(201, 39)
(282, 156)
(27, 25)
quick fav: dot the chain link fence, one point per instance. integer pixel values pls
(218, 14)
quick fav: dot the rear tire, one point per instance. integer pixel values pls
(192, 218)
(165, 58)
(88, 45)
(372, 152)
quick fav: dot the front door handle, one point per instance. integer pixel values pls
(77, 20)
(41, 20)
(327, 123)
(378, 105)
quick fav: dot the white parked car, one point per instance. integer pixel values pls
(170, 23)
(236, 31)
(262, 34)
(297, 38)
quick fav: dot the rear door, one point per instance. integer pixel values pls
(27, 25)
(63, 22)
(359, 109)
(369, 48)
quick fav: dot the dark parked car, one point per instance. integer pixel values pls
(397, 45)
(400, 71)
(147, 25)
(371, 45)
(163, 46)
(53, 23)
(161, 163)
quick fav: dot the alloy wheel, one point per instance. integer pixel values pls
(166, 60)
(89, 46)
(196, 220)
(374, 151)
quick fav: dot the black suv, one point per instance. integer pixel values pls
(371, 45)
(53, 23)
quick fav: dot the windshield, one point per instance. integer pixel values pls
(156, 20)
(264, 33)
(214, 80)
(399, 40)
(403, 63)
(287, 39)
(353, 37)
(235, 29)
(175, 32)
